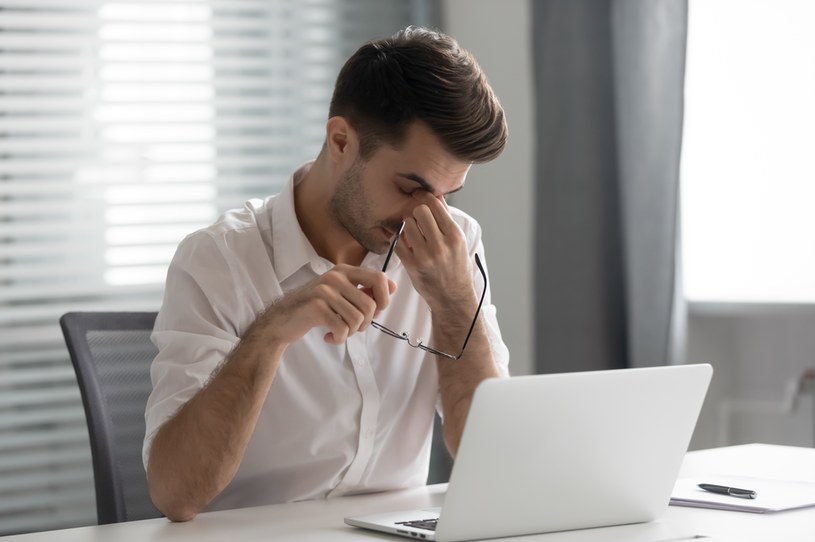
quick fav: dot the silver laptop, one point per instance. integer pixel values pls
(558, 452)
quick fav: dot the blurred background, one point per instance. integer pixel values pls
(653, 205)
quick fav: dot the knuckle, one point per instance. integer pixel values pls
(370, 305)
(322, 290)
(325, 310)
(357, 321)
(331, 277)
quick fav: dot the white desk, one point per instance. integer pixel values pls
(322, 521)
(759, 460)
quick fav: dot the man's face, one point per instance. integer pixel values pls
(373, 196)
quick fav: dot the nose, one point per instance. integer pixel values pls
(419, 198)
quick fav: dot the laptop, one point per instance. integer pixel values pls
(559, 452)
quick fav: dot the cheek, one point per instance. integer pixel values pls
(390, 203)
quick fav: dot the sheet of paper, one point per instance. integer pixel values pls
(772, 495)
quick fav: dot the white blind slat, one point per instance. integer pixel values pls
(25, 509)
(70, 456)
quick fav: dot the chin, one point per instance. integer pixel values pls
(377, 248)
(372, 244)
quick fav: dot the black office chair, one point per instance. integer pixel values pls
(111, 353)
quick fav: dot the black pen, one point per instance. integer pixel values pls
(732, 491)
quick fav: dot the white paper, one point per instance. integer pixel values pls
(772, 495)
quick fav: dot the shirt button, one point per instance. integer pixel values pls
(360, 362)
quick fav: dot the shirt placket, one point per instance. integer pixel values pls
(369, 414)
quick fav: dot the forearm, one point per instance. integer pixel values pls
(459, 378)
(198, 451)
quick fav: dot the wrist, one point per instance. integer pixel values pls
(454, 309)
(259, 350)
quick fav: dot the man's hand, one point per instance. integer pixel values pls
(434, 251)
(344, 300)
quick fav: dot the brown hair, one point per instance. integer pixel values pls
(420, 74)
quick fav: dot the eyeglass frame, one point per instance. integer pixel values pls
(418, 343)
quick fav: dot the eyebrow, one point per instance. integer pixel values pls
(422, 182)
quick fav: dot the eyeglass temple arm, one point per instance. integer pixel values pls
(478, 310)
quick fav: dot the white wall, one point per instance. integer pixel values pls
(500, 194)
(759, 354)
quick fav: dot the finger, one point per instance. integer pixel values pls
(372, 282)
(391, 290)
(438, 207)
(405, 253)
(358, 309)
(341, 315)
(427, 249)
(380, 291)
(357, 303)
(413, 239)
(354, 312)
(426, 221)
(337, 327)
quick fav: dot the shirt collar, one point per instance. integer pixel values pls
(292, 249)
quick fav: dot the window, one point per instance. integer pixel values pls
(748, 172)
(123, 127)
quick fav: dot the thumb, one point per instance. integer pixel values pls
(391, 289)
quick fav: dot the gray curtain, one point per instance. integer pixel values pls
(609, 80)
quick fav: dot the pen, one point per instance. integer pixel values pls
(732, 491)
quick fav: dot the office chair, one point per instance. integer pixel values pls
(111, 353)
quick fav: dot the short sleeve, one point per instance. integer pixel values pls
(193, 332)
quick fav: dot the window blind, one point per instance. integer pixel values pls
(125, 126)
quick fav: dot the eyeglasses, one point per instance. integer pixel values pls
(417, 343)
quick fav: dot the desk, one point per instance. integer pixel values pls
(762, 461)
(322, 521)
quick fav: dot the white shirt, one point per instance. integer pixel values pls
(339, 419)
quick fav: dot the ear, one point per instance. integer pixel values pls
(341, 140)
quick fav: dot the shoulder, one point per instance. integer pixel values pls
(237, 229)
(252, 217)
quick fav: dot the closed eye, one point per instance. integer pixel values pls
(409, 190)
(416, 183)
(422, 184)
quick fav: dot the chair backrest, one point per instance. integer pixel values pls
(111, 353)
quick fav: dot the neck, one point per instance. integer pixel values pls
(312, 205)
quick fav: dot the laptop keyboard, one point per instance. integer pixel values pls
(428, 524)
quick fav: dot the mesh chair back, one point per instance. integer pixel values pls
(111, 353)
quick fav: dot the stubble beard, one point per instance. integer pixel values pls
(349, 207)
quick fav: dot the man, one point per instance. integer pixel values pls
(271, 383)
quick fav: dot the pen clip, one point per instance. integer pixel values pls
(742, 493)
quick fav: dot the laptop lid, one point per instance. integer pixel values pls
(557, 452)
